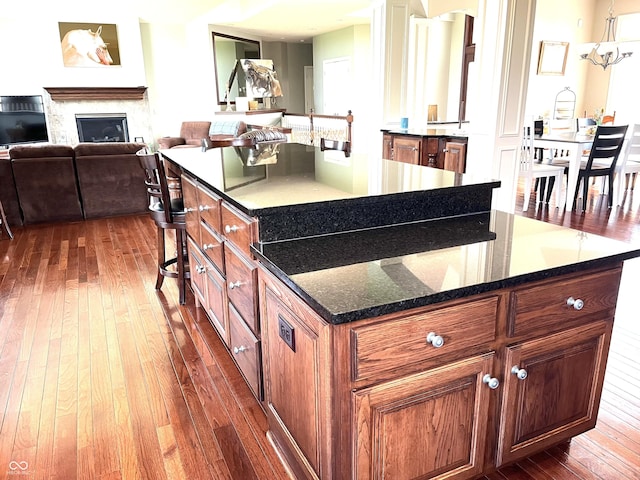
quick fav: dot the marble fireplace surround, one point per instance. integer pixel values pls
(63, 103)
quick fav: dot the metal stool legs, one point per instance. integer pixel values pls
(3, 222)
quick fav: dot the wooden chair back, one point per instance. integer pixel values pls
(157, 185)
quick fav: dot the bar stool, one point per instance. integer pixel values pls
(168, 213)
(3, 221)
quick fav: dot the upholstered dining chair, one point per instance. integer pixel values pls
(167, 211)
(602, 160)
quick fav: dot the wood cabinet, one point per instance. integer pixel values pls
(453, 390)
(455, 156)
(224, 278)
(428, 150)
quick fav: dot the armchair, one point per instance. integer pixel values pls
(191, 135)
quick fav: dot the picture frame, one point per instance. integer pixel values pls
(553, 57)
(89, 44)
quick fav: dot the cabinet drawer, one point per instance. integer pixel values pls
(190, 200)
(543, 308)
(242, 285)
(245, 349)
(212, 246)
(238, 227)
(209, 208)
(216, 305)
(395, 344)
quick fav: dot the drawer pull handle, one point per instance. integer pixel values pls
(436, 340)
(191, 209)
(208, 246)
(239, 349)
(521, 373)
(233, 285)
(575, 303)
(200, 269)
(204, 208)
(492, 382)
(231, 228)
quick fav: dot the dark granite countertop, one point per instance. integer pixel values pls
(445, 131)
(357, 237)
(296, 191)
(357, 275)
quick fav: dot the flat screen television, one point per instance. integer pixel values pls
(22, 120)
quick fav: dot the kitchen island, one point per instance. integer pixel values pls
(394, 326)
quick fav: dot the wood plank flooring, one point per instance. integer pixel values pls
(100, 375)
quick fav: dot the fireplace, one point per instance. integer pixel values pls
(102, 127)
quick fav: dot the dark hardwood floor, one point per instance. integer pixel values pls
(100, 375)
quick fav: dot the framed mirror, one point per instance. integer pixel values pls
(230, 79)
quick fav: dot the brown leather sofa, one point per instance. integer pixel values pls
(63, 183)
(192, 133)
(110, 179)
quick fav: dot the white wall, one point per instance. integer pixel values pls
(31, 47)
(567, 21)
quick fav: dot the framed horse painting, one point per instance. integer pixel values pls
(89, 44)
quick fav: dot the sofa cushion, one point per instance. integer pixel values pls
(110, 178)
(222, 130)
(40, 151)
(46, 183)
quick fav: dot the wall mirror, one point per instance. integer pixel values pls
(227, 49)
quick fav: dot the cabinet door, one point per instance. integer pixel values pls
(387, 146)
(428, 425)
(559, 395)
(190, 199)
(432, 156)
(216, 305)
(198, 272)
(455, 154)
(407, 149)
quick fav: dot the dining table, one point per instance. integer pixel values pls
(573, 142)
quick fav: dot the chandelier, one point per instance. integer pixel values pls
(607, 51)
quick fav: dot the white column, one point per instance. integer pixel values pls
(497, 93)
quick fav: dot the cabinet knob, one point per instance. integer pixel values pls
(208, 246)
(233, 285)
(190, 210)
(575, 303)
(201, 269)
(436, 340)
(204, 208)
(445, 150)
(239, 349)
(521, 373)
(492, 382)
(231, 228)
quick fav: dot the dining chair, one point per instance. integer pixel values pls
(629, 164)
(602, 160)
(530, 169)
(166, 208)
(327, 144)
(608, 119)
